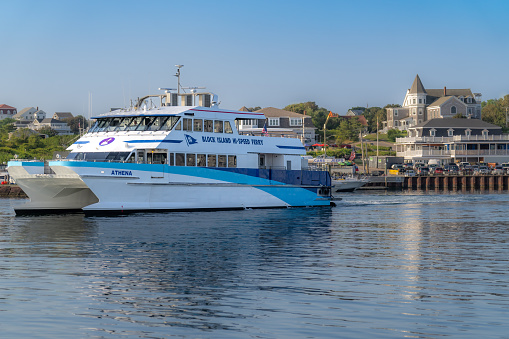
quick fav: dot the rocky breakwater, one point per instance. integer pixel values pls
(11, 191)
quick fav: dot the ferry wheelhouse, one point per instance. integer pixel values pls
(173, 155)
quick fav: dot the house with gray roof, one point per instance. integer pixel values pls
(61, 127)
(422, 104)
(62, 115)
(454, 140)
(281, 122)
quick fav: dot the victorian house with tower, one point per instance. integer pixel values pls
(428, 115)
(421, 105)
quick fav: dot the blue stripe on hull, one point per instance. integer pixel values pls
(262, 179)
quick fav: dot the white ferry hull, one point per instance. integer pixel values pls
(98, 188)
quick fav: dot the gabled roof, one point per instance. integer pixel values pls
(443, 100)
(51, 121)
(4, 106)
(456, 123)
(271, 112)
(244, 109)
(24, 110)
(417, 86)
(450, 92)
(64, 115)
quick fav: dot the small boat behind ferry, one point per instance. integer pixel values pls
(182, 153)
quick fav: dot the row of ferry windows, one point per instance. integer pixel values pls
(174, 159)
(160, 124)
(202, 160)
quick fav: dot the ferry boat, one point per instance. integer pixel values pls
(172, 156)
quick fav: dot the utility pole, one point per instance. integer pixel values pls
(362, 152)
(377, 140)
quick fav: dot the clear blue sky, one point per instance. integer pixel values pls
(339, 54)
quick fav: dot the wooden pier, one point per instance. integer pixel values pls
(457, 183)
(443, 183)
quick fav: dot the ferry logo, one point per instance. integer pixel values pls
(190, 140)
(106, 141)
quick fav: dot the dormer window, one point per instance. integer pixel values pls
(395, 112)
(468, 132)
(450, 132)
(432, 132)
(485, 133)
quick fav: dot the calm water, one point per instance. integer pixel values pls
(376, 266)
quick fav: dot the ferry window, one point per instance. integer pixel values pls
(187, 124)
(218, 126)
(227, 127)
(145, 123)
(221, 161)
(113, 124)
(232, 161)
(117, 156)
(92, 129)
(201, 160)
(180, 159)
(211, 160)
(191, 159)
(208, 126)
(102, 124)
(131, 157)
(168, 125)
(157, 123)
(171, 159)
(124, 122)
(198, 125)
(178, 127)
(158, 158)
(134, 123)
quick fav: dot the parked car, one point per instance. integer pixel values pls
(483, 170)
(399, 167)
(463, 164)
(409, 173)
(432, 168)
(438, 171)
(497, 170)
(451, 169)
(466, 170)
(423, 171)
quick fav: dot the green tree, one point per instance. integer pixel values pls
(76, 123)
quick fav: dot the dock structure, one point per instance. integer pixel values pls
(455, 183)
(441, 183)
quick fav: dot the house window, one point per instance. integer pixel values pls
(468, 132)
(420, 112)
(414, 101)
(450, 132)
(453, 110)
(273, 121)
(295, 121)
(432, 132)
(395, 112)
(420, 101)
